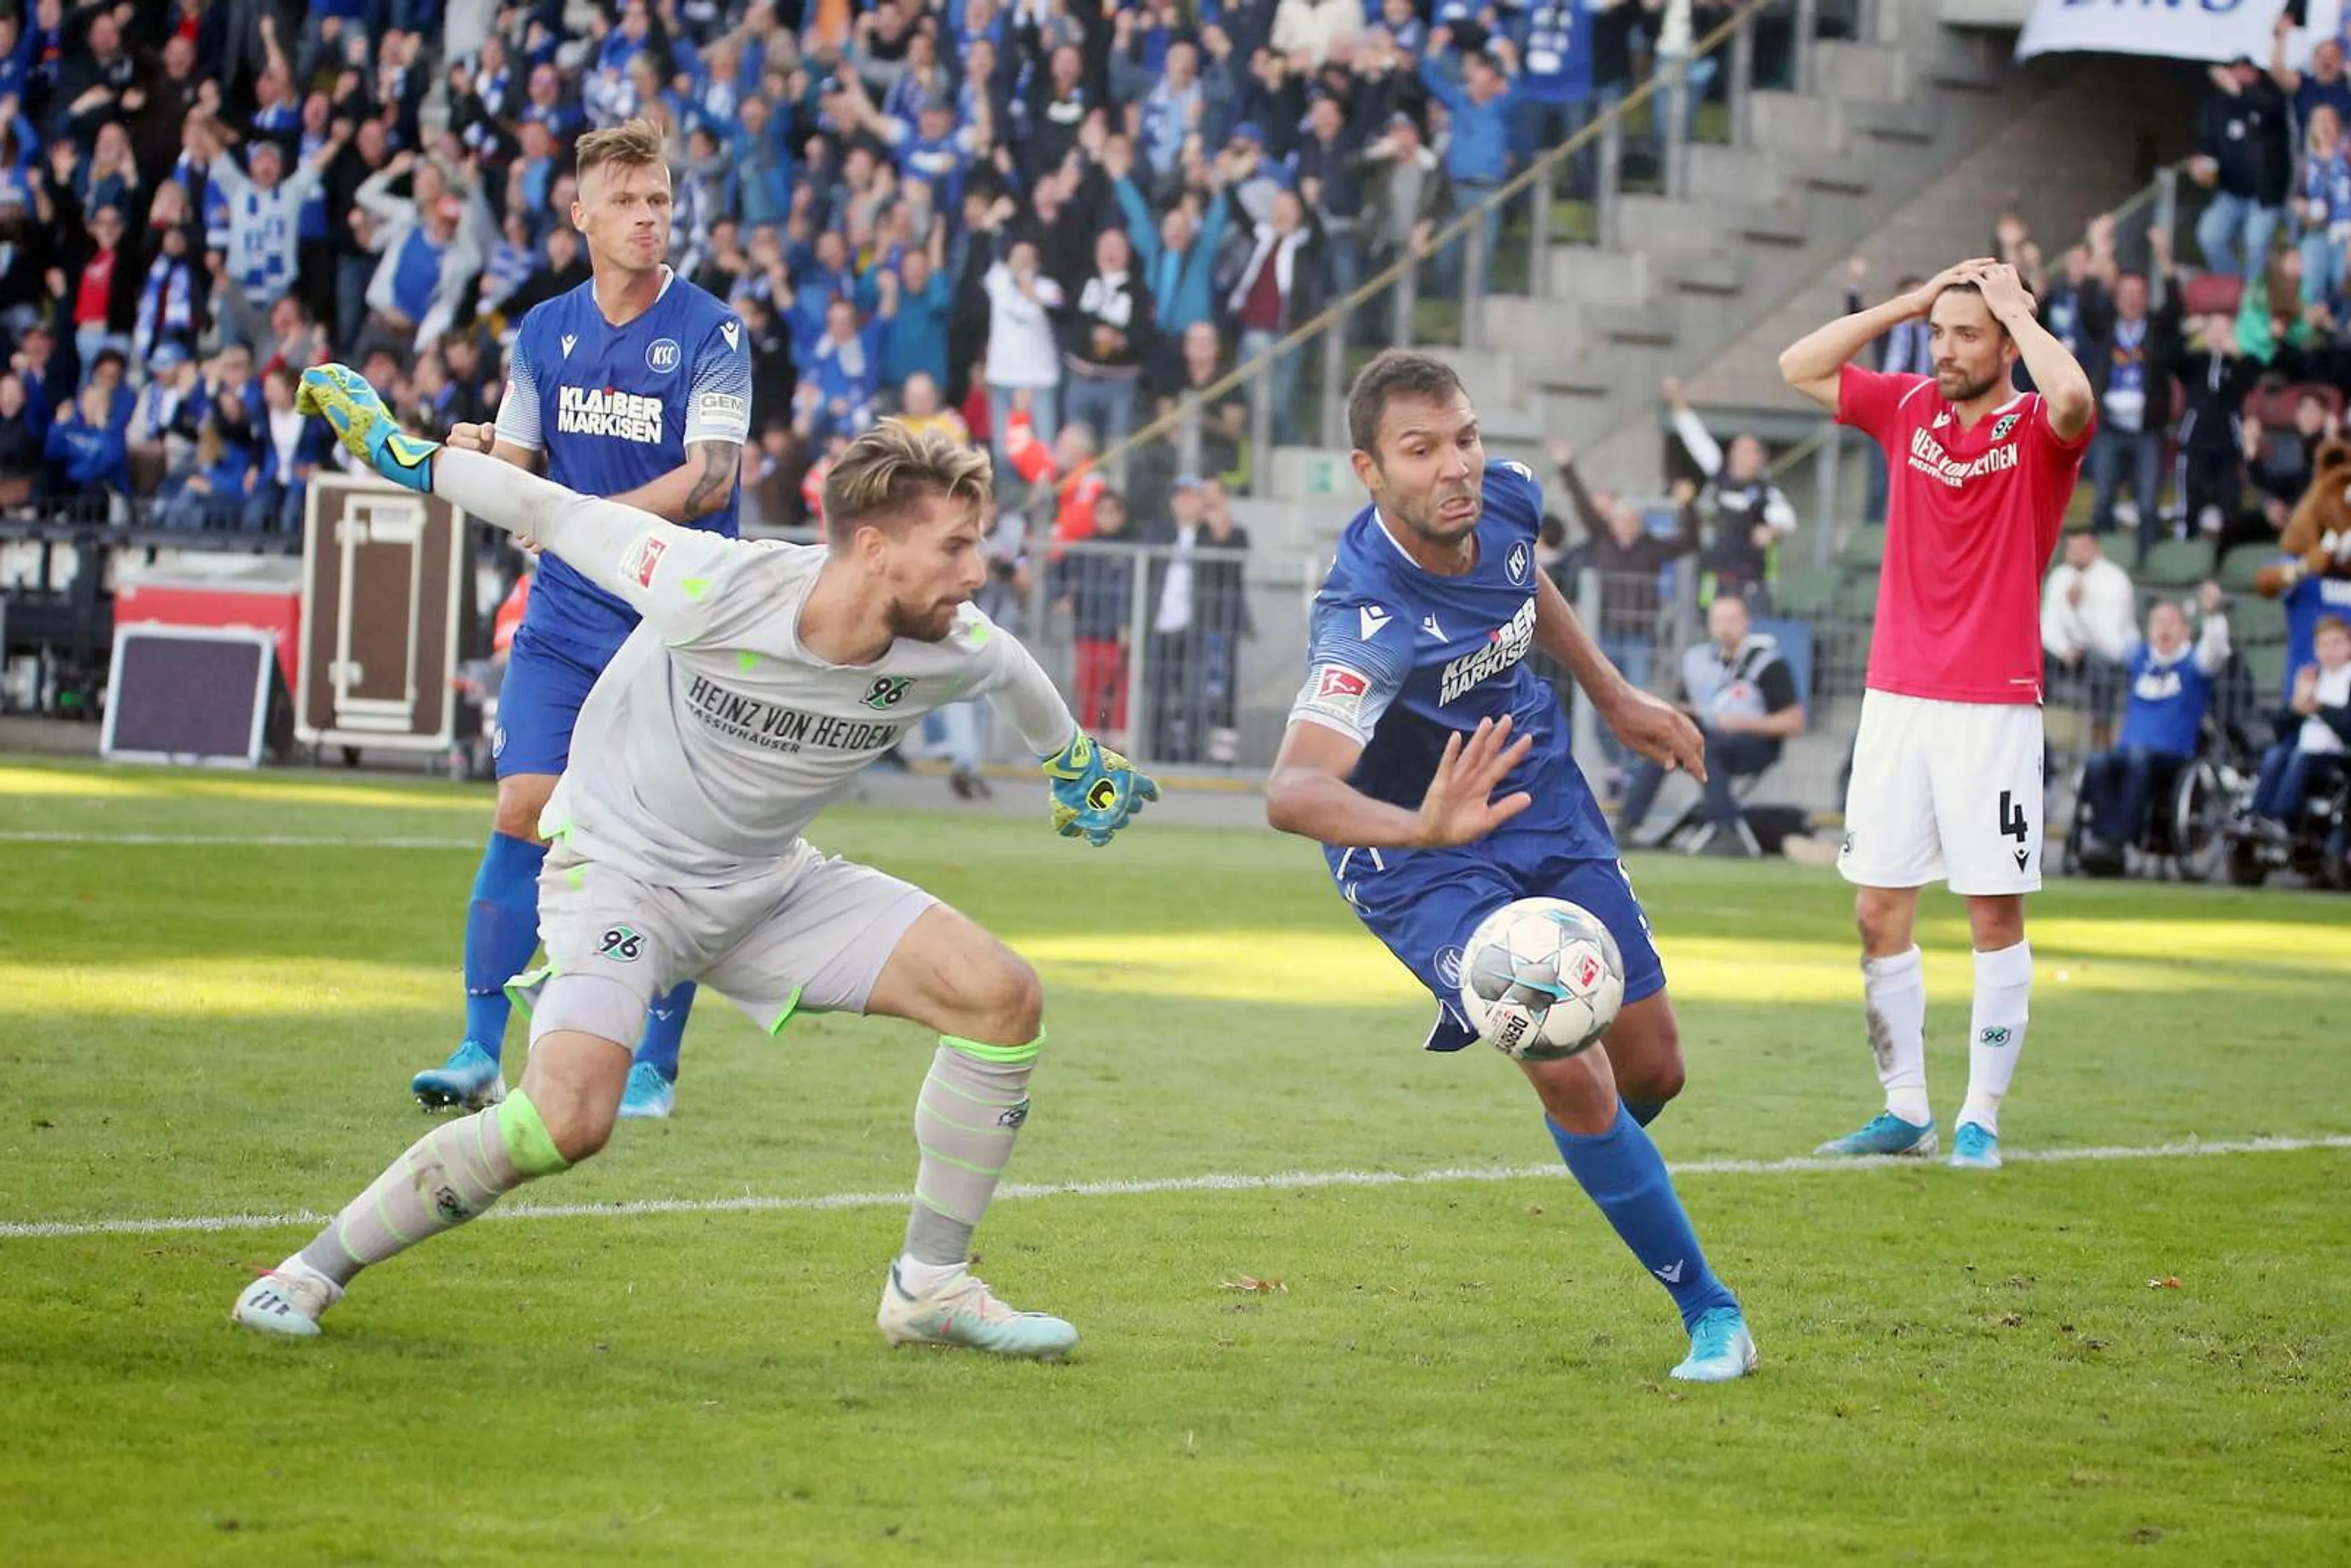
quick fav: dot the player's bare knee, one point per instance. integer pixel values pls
(579, 1064)
(1644, 1051)
(1883, 917)
(580, 1130)
(1995, 924)
(521, 798)
(576, 1109)
(1578, 1092)
(1007, 1006)
(1657, 1078)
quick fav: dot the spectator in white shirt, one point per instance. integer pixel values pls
(1022, 352)
(2089, 623)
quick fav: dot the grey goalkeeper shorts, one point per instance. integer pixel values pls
(810, 935)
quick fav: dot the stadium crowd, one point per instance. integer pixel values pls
(1016, 214)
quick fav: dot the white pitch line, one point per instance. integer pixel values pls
(1286, 1180)
(240, 841)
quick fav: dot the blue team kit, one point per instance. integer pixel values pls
(628, 400)
(1402, 658)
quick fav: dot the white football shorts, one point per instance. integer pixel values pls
(811, 934)
(1945, 790)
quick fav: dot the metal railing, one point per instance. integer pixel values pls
(1605, 138)
(1644, 623)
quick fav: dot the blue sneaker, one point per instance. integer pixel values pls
(965, 1313)
(468, 1081)
(1976, 1148)
(649, 1094)
(1720, 1348)
(351, 407)
(1886, 1133)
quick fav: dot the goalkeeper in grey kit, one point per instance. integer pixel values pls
(762, 679)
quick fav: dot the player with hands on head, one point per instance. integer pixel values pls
(1947, 772)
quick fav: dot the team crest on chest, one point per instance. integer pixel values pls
(661, 356)
(1517, 564)
(2006, 422)
(886, 691)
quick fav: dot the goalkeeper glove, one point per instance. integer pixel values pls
(1096, 789)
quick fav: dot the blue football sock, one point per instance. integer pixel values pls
(1645, 1111)
(665, 1029)
(1623, 1172)
(501, 934)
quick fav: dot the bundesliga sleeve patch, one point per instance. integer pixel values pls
(643, 559)
(1337, 692)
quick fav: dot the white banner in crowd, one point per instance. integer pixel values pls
(2180, 29)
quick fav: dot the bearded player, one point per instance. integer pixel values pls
(1400, 761)
(762, 680)
(1947, 772)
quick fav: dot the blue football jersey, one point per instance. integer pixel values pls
(1400, 658)
(2305, 602)
(614, 408)
(2168, 697)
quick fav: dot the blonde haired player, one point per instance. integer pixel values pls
(635, 385)
(1946, 773)
(761, 679)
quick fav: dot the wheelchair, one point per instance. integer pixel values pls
(2184, 836)
(2316, 844)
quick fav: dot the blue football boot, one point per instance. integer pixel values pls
(1886, 1133)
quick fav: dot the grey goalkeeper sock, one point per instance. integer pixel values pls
(971, 1105)
(448, 1176)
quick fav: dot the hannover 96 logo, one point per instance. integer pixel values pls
(887, 690)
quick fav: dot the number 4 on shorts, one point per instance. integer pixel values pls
(2012, 818)
(2012, 823)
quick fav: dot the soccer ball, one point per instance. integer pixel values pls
(1542, 980)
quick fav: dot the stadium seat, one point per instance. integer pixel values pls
(2240, 566)
(2212, 294)
(2176, 563)
(1805, 593)
(2266, 662)
(1856, 596)
(1863, 545)
(2271, 407)
(2253, 620)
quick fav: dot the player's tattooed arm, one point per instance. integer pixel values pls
(695, 487)
(722, 463)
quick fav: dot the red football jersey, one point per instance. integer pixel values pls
(1973, 519)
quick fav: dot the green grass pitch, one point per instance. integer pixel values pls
(1460, 1370)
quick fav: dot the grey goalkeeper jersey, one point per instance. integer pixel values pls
(713, 737)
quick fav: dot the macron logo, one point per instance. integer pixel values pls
(1671, 1274)
(568, 339)
(1433, 629)
(732, 333)
(1372, 618)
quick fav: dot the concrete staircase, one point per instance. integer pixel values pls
(1818, 172)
